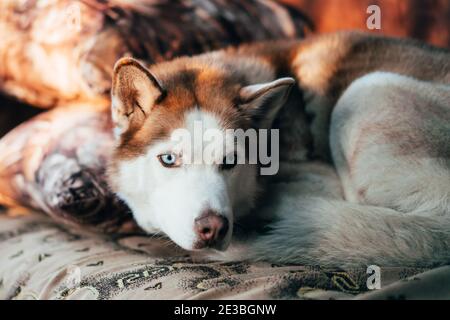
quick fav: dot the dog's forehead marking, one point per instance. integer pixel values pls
(199, 125)
(190, 84)
(207, 119)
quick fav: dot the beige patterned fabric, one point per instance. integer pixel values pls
(40, 259)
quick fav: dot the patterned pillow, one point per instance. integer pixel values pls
(56, 163)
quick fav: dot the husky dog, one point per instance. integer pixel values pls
(364, 150)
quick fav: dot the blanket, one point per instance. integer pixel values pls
(41, 259)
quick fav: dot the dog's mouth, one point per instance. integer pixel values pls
(219, 246)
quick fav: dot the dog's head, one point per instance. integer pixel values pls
(193, 188)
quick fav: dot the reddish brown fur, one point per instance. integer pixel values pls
(202, 82)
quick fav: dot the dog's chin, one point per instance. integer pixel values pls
(223, 246)
(208, 252)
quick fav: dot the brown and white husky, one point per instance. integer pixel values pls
(363, 151)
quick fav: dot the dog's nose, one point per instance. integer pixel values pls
(211, 228)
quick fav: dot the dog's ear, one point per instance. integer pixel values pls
(135, 90)
(263, 101)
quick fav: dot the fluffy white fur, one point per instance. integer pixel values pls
(390, 140)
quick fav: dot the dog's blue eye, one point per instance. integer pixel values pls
(168, 160)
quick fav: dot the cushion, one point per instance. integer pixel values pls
(56, 163)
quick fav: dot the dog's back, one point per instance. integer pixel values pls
(390, 141)
(326, 65)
